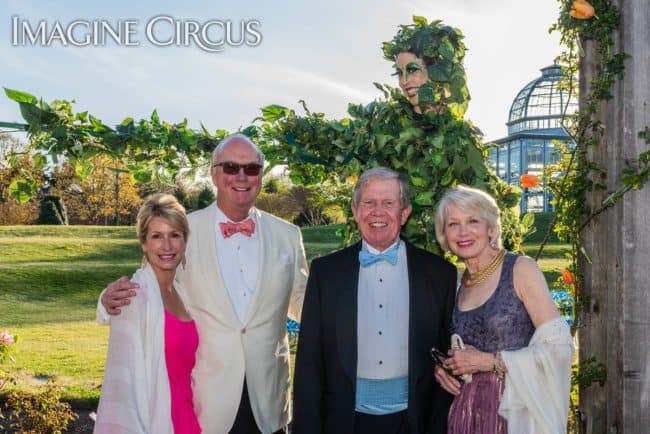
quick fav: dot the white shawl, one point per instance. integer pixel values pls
(135, 395)
(538, 382)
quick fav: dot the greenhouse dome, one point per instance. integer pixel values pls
(534, 124)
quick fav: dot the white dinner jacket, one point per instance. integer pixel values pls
(258, 348)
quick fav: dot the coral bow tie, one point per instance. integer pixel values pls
(228, 229)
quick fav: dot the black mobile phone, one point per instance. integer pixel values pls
(438, 356)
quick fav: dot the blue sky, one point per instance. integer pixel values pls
(327, 53)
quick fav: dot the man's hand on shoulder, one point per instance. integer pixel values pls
(118, 294)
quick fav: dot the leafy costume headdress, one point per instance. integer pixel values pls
(442, 50)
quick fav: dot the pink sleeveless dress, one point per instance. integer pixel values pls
(181, 342)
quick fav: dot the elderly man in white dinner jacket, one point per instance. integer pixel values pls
(240, 289)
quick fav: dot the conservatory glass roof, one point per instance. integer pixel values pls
(540, 104)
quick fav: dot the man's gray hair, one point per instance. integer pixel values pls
(223, 143)
(383, 173)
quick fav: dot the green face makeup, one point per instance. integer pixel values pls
(410, 68)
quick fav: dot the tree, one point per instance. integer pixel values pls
(321, 205)
(20, 175)
(105, 195)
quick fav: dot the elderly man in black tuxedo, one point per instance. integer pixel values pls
(371, 315)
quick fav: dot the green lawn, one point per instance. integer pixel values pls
(50, 277)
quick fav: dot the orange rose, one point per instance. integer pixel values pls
(529, 181)
(581, 9)
(568, 277)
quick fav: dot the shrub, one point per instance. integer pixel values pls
(13, 213)
(205, 197)
(39, 413)
(279, 204)
(542, 222)
(52, 211)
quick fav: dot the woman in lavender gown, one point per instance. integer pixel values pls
(515, 365)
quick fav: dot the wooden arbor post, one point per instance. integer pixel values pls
(617, 321)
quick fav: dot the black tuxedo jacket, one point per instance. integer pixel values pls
(326, 361)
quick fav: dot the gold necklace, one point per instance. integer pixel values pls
(473, 279)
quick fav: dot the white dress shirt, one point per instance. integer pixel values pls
(238, 259)
(383, 317)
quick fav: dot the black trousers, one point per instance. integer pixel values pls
(245, 421)
(394, 423)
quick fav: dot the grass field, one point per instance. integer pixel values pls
(50, 277)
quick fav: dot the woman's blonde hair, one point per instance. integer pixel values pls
(471, 200)
(166, 207)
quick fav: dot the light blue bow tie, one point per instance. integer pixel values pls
(366, 258)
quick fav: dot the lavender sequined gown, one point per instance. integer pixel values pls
(501, 323)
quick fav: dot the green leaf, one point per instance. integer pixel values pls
(60, 132)
(448, 177)
(418, 181)
(410, 134)
(420, 21)
(205, 131)
(274, 112)
(142, 176)
(446, 50)
(336, 126)
(96, 123)
(382, 89)
(20, 96)
(83, 168)
(381, 140)
(437, 141)
(440, 71)
(427, 95)
(34, 115)
(250, 131)
(437, 160)
(425, 198)
(528, 219)
(39, 161)
(83, 117)
(511, 197)
(476, 161)
(22, 190)
(409, 151)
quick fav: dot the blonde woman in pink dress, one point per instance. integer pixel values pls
(147, 385)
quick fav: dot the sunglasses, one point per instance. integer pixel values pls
(231, 168)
